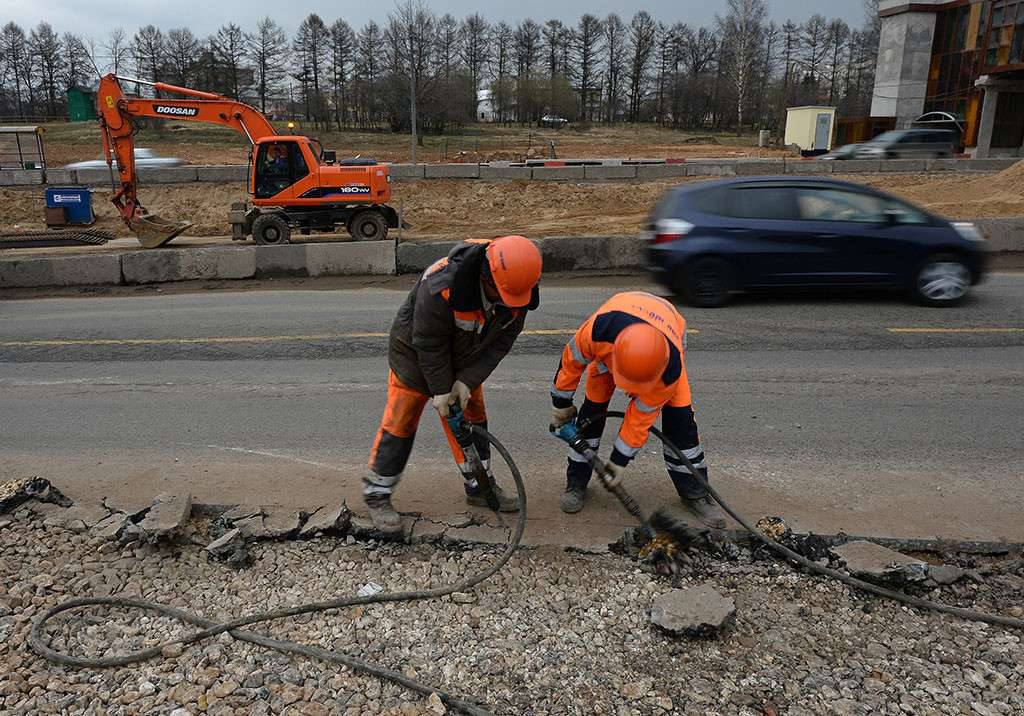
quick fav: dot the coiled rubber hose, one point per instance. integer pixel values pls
(787, 553)
(40, 643)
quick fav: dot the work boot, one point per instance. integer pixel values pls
(573, 499)
(383, 514)
(706, 510)
(475, 497)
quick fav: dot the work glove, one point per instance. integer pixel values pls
(460, 392)
(561, 416)
(613, 473)
(443, 404)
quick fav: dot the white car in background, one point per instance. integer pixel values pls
(143, 158)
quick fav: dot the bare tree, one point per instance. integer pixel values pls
(742, 31)
(642, 37)
(149, 51)
(267, 48)
(310, 45)
(502, 59)
(412, 27)
(117, 49)
(367, 71)
(14, 50)
(836, 38)
(814, 42)
(615, 44)
(45, 47)
(77, 63)
(343, 50)
(475, 49)
(588, 39)
(182, 55)
(229, 48)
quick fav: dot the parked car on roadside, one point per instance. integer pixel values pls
(553, 120)
(709, 241)
(909, 144)
(143, 158)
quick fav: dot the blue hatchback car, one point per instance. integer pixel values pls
(710, 240)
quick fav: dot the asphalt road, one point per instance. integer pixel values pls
(860, 414)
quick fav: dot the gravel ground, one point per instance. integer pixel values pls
(553, 633)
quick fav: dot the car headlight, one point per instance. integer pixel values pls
(968, 231)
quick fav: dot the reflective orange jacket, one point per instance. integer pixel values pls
(594, 344)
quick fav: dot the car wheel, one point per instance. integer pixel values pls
(706, 283)
(271, 230)
(368, 226)
(941, 280)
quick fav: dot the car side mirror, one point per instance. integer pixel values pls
(329, 156)
(891, 217)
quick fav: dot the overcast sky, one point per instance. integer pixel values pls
(95, 17)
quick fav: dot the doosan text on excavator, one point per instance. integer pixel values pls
(294, 182)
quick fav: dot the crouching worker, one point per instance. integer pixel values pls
(458, 322)
(635, 342)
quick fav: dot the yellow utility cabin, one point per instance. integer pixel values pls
(810, 128)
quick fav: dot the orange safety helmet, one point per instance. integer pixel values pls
(515, 265)
(639, 358)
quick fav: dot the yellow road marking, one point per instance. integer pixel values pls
(62, 342)
(957, 330)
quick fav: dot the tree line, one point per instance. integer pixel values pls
(741, 72)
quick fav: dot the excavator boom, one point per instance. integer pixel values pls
(117, 114)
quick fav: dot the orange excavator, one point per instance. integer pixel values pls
(294, 182)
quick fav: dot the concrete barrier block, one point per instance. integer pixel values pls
(417, 256)
(857, 166)
(1003, 235)
(61, 177)
(904, 165)
(373, 258)
(287, 260)
(452, 171)
(660, 171)
(760, 167)
(406, 171)
(20, 177)
(710, 169)
(944, 165)
(521, 173)
(625, 252)
(808, 166)
(557, 173)
(223, 173)
(987, 165)
(95, 270)
(189, 264)
(610, 171)
(94, 177)
(167, 175)
(570, 253)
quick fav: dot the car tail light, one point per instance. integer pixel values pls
(668, 230)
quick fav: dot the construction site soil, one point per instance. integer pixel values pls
(456, 209)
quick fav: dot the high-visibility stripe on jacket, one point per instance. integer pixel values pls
(593, 345)
(443, 332)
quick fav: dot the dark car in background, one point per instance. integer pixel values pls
(910, 144)
(711, 240)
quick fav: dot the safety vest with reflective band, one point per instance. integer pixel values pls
(594, 345)
(444, 332)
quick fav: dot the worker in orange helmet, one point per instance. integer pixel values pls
(635, 342)
(457, 323)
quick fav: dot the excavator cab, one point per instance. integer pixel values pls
(279, 165)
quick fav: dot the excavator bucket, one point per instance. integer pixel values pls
(152, 230)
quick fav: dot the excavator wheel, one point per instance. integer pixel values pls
(271, 230)
(368, 226)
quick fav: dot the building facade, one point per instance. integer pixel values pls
(965, 57)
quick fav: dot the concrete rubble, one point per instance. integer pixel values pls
(698, 611)
(875, 563)
(167, 516)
